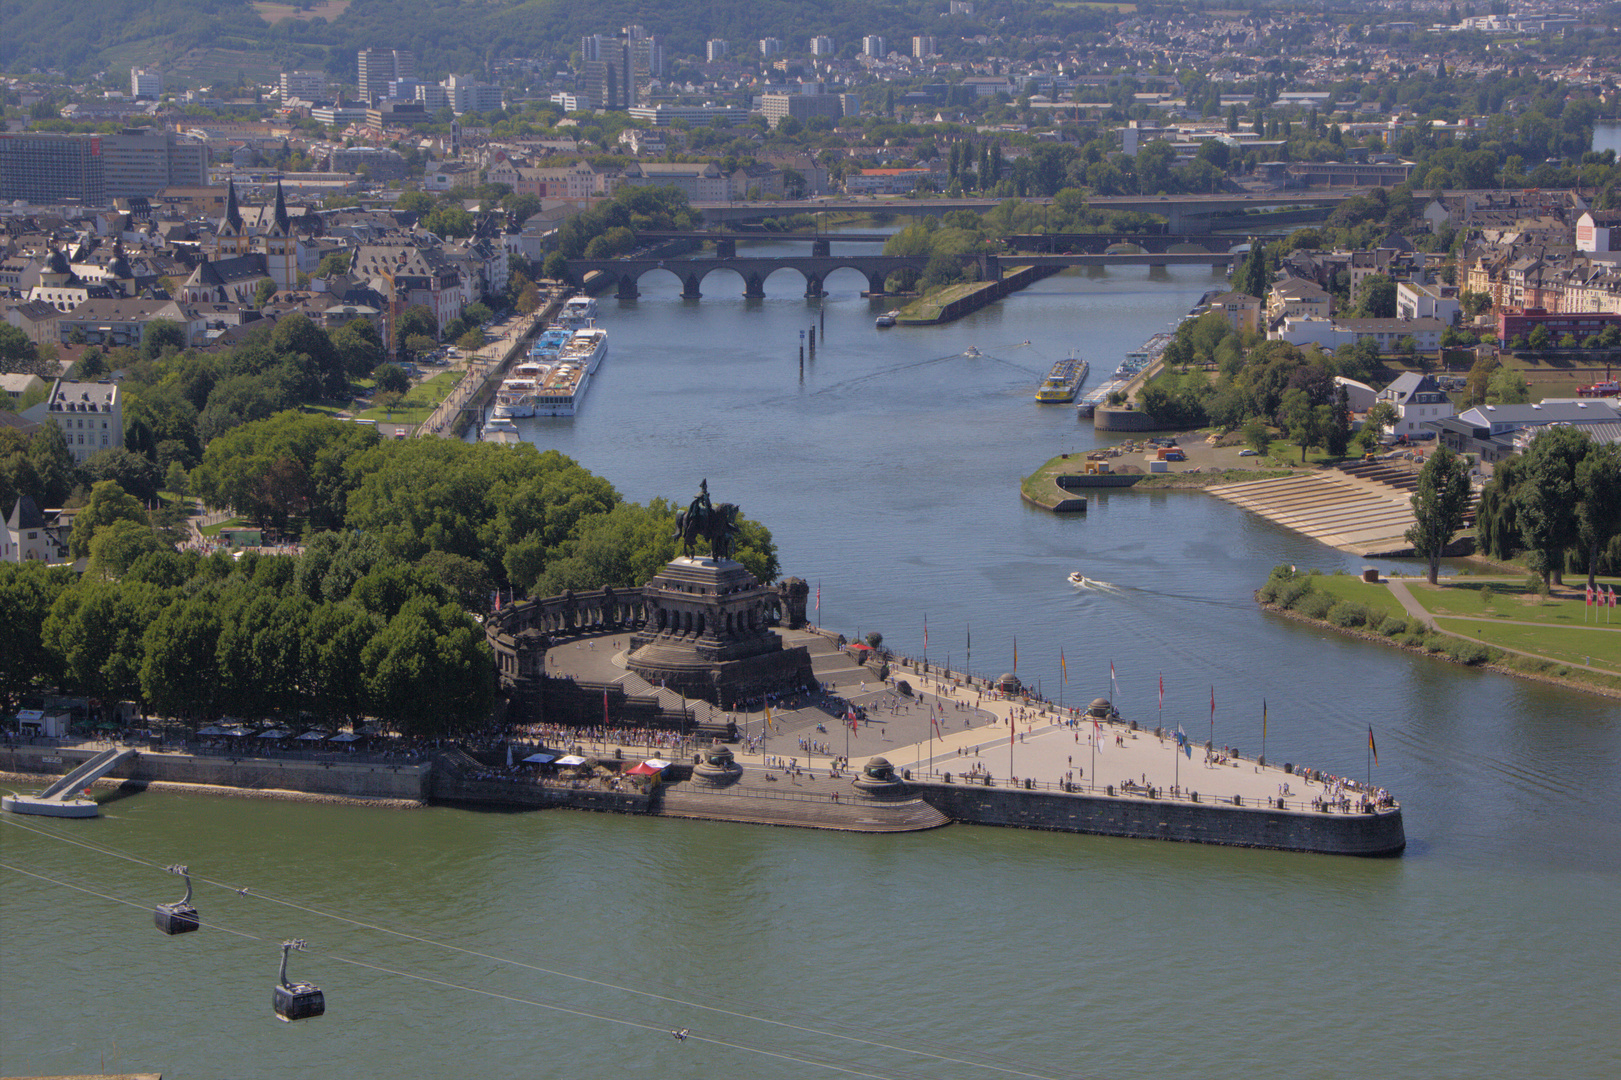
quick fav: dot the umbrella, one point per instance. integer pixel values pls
(571, 759)
(312, 736)
(539, 759)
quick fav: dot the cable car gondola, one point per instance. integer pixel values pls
(296, 1000)
(179, 917)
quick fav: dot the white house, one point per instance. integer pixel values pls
(1417, 398)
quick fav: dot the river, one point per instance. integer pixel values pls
(887, 470)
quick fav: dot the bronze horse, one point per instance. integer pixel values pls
(716, 524)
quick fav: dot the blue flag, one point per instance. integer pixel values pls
(1183, 744)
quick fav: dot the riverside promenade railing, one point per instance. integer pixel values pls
(1147, 793)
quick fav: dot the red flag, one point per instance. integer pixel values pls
(604, 706)
(1010, 729)
(1590, 596)
(1162, 692)
(1015, 654)
(925, 633)
(818, 596)
(1212, 703)
(1372, 749)
(1612, 596)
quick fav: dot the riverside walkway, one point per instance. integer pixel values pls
(1404, 596)
(1050, 747)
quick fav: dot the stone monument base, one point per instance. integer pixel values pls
(705, 634)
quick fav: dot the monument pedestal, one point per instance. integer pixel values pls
(705, 632)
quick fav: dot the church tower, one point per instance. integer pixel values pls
(281, 246)
(230, 235)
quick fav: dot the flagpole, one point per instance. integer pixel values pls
(1094, 755)
(1263, 731)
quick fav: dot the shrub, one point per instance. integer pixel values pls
(1469, 652)
(1315, 605)
(1347, 613)
(1435, 643)
(1487, 595)
(1291, 592)
(1412, 640)
(1393, 625)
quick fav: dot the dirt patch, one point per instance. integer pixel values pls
(274, 13)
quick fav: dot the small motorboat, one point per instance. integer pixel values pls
(1077, 578)
(971, 351)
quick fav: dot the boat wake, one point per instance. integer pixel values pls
(1081, 581)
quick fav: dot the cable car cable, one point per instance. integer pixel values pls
(447, 984)
(718, 1010)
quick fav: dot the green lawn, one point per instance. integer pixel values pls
(1350, 587)
(1510, 601)
(228, 523)
(1571, 644)
(422, 400)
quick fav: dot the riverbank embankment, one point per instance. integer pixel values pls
(955, 301)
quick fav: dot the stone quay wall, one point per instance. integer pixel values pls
(350, 780)
(449, 787)
(1165, 819)
(1110, 418)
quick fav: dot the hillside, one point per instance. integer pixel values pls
(203, 39)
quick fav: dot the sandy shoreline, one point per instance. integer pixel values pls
(279, 794)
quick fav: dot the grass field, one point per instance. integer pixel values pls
(424, 397)
(1510, 601)
(1349, 587)
(1571, 644)
(228, 523)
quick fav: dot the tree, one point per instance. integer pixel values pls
(263, 291)
(28, 590)
(555, 267)
(179, 670)
(416, 347)
(358, 347)
(391, 378)
(135, 473)
(1338, 436)
(108, 503)
(1377, 297)
(1439, 506)
(528, 299)
(1598, 506)
(1507, 386)
(417, 319)
(334, 264)
(120, 545)
(477, 314)
(1302, 419)
(1545, 502)
(95, 631)
(1257, 280)
(164, 334)
(1540, 338)
(176, 480)
(472, 341)
(430, 671)
(1257, 436)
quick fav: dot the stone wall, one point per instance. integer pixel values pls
(450, 787)
(1202, 823)
(358, 781)
(1110, 418)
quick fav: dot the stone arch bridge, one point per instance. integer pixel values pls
(623, 274)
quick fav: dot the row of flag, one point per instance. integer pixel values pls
(1603, 596)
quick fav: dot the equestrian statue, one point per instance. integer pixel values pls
(707, 521)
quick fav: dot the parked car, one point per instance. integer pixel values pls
(1249, 452)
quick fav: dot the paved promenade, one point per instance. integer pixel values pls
(1048, 746)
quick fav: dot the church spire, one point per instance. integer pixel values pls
(283, 225)
(231, 224)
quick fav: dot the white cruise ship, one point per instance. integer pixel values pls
(577, 311)
(563, 387)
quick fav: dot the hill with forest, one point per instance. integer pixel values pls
(464, 35)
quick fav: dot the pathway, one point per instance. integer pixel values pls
(1404, 596)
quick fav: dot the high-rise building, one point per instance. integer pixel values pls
(468, 96)
(93, 170)
(590, 48)
(304, 85)
(873, 45)
(808, 103)
(821, 46)
(923, 45)
(144, 83)
(45, 168)
(770, 46)
(715, 49)
(378, 67)
(144, 161)
(646, 54)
